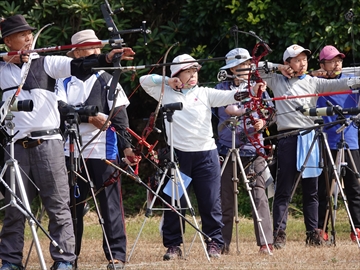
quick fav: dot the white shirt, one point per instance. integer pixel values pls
(45, 115)
(77, 92)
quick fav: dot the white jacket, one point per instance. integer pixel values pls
(192, 130)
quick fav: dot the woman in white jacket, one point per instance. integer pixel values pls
(194, 147)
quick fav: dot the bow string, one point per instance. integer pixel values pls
(150, 126)
(256, 103)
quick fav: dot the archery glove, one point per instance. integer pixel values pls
(354, 82)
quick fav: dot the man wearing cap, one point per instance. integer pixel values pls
(239, 81)
(331, 67)
(194, 146)
(94, 92)
(38, 143)
(295, 83)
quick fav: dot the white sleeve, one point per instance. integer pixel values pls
(58, 66)
(148, 83)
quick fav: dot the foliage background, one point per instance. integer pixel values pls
(202, 28)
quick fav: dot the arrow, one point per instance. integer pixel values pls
(63, 47)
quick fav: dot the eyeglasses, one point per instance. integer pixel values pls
(333, 62)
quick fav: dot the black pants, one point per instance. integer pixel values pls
(111, 208)
(287, 174)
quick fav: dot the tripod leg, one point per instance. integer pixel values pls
(139, 181)
(332, 192)
(249, 189)
(235, 180)
(92, 188)
(341, 190)
(229, 194)
(148, 211)
(191, 209)
(39, 218)
(296, 182)
(15, 176)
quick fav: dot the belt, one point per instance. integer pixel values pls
(45, 132)
(29, 143)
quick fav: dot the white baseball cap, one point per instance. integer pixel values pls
(236, 57)
(175, 69)
(294, 50)
(83, 36)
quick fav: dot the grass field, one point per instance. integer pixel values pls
(149, 250)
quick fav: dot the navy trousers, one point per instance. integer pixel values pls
(204, 169)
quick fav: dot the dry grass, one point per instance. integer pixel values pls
(149, 250)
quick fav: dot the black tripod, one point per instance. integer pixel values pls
(333, 189)
(177, 186)
(22, 204)
(325, 159)
(72, 131)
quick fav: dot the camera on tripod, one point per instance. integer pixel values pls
(76, 113)
(26, 105)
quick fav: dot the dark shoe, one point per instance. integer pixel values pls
(313, 238)
(62, 266)
(172, 253)
(280, 239)
(213, 250)
(225, 249)
(117, 263)
(10, 266)
(264, 249)
(353, 236)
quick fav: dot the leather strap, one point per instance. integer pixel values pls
(29, 143)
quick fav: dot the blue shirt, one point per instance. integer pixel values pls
(351, 131)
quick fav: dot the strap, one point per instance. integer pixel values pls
(101, 80)
(45, 132)
(10, 88)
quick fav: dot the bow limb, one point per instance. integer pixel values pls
(152, 120)
(163, 80)
(23, 79)
(113, 91)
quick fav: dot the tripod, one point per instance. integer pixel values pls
(72, 131)
(341, 165)
(325, 153)
(22, 204)
(236, 162)
(177, 182)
